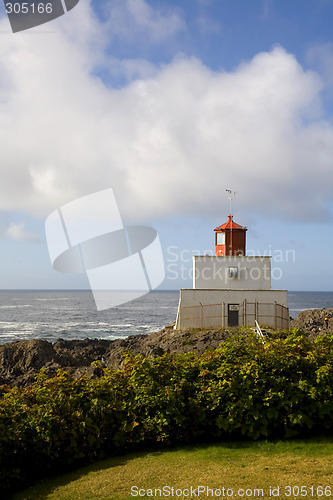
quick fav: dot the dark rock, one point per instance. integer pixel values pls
(312, 321)
(20, 361)
(157, 351)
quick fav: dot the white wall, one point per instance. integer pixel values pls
(253, 272)
(212, 305)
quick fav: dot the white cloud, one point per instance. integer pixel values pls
(17, 231)
(321, 56)
(4, 221)
(130, 69)
(169, 142)
(130, 18)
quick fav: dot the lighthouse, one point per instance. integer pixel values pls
(230, 288)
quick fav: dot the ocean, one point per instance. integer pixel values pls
(51, 315)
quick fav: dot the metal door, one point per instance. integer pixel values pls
(233, 314)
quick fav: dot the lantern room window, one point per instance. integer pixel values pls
(220, 238)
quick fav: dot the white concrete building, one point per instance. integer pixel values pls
(231, 272)
(231, 289)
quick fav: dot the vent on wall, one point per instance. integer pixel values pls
(233, 272)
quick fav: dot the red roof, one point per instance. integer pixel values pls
(227, 225)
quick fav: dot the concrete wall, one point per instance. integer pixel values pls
(210, 308)
(251, 272)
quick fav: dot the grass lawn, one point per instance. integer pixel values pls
(244, 469)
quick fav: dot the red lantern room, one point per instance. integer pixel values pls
(230, 238)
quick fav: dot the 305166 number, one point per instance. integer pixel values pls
(311, 491)
(28, 8)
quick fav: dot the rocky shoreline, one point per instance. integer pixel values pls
(21, 360)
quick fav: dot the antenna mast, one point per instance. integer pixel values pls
(231, 195)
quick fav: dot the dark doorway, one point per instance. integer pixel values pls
(233, 314)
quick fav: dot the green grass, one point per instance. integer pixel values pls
(234, 465)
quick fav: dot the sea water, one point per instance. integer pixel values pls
(65, 314)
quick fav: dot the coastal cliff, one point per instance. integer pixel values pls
(20, 361)
(312, 321)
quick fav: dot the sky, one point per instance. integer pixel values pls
(170, 103)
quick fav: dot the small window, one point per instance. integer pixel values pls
(220, 238)
(233, 272)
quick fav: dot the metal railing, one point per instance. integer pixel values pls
(204, 316)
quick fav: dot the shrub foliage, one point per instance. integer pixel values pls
(245, 388)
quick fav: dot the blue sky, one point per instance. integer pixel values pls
(170, 103)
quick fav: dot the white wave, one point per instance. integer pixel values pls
(7, 325)
(54, 298)
(15, 307)
(10, 334)
(114, 337)
(303, 309)
(87, 330)
(70, 324)
(120, 325)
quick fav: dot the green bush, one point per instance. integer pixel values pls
(245, 388)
